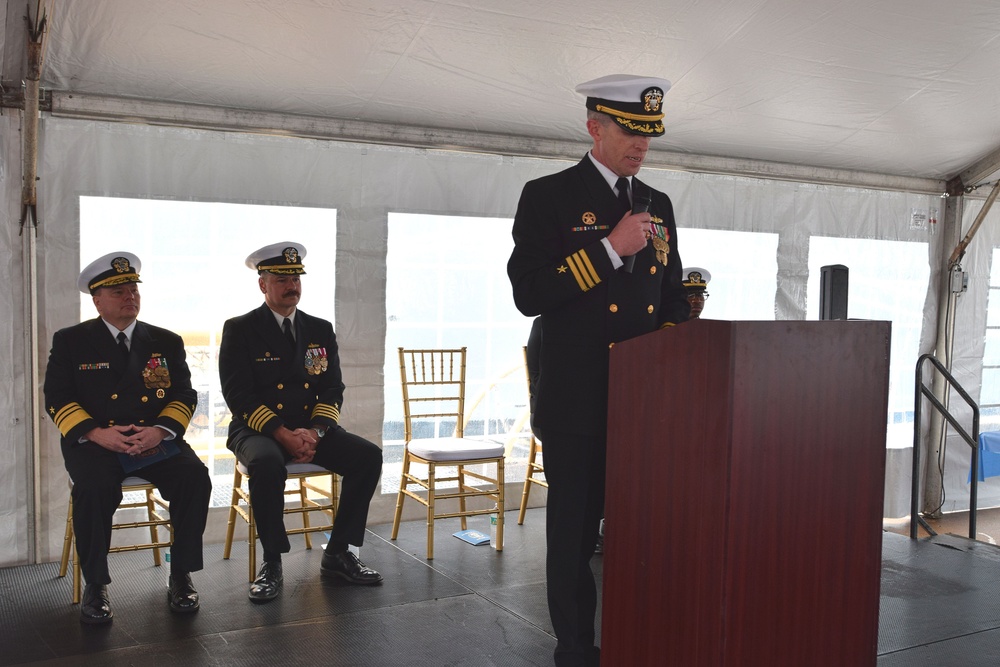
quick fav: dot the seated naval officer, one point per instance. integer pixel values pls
(280, 373)
(119, 391)
(696, 282)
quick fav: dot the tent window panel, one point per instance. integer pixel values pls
(194, 279)
(446, 286)
(989, 418)
(993, 308)
(990, 393)
(993, 304)
(991, 353)
(995, 269)
(744, 268)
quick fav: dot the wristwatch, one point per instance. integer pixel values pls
(320, 431)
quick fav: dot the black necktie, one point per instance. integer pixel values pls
(623, 195)
(286, 326)
(122, 345)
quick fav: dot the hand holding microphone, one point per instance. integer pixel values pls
(640, 204)
(631, 234)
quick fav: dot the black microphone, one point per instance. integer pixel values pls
(640, 204)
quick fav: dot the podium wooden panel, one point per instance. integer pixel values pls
(744, 505)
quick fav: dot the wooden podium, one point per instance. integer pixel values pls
(744, 504)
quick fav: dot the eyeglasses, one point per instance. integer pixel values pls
(700, 296)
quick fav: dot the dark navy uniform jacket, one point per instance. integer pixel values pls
(559, 269)
(267, 383)
(87, 385)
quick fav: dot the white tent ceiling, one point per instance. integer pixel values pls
(897, 87)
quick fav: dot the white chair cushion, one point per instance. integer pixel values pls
(128, 481)
(292, 468)
(454, 449)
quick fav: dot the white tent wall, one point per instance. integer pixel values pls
(15, 435)
(364, 183)
(967, 365)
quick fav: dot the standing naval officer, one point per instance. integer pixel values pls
(281, 378)
(119, 391)
(597, 273)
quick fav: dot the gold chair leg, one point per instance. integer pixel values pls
(231, 526)
(461, 499)
(334, 495)
(77, 576)
(304, 502)
(529, 473)
(154, 534)
(430, 511)
(401, 495)
(67, 540)
(69, 551)
(252, 548)
(500, 504)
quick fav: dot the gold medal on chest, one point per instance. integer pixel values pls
(662, 249)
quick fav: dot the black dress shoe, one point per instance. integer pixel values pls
(95, 609)
(267, 585)
(181, 594)
(346, 565)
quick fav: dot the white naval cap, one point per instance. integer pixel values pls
(114, 268)
(696, 278)
(635, 102)
(284, 258)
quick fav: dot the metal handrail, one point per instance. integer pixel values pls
(972, 441)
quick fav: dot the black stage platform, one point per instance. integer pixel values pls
(469, 606)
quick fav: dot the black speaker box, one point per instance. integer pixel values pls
(833, 292)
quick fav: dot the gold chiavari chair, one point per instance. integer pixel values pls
(303, 478)
(434, 393)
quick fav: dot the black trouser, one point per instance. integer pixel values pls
(358, 461)
(182, 480)
(574, 468)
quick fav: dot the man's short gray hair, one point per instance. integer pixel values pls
(601, 118)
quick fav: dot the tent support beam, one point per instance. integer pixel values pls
(175, 114)
(981, 170)
(35, 40)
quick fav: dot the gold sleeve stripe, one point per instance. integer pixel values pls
(177, 411)
(260, 417)
(328, 411)
(584, 272)
(69, 417)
